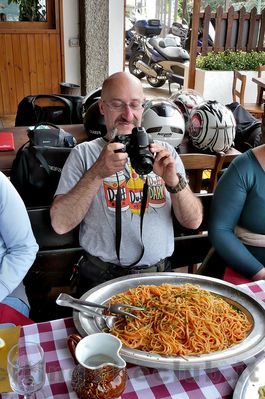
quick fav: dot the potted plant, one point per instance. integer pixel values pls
(214, 74)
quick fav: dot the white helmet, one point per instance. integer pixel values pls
(212, 127)
(186, 100)
(163, 121)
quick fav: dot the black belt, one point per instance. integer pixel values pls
(88, 261)
(91, 271)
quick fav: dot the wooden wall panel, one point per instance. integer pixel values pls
(1, 73)
(39, 63)
(46, 62)
(55, 66)
(4, 102)
(25, 63)
(17, 64)
(10, 71)
(30, 63)
(31, 51)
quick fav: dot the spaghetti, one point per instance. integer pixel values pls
(179, 320)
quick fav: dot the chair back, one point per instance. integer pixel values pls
(53, 267)
(261, 90)
(191, 246)
(239, 87)
(46, 237)
(195, 164)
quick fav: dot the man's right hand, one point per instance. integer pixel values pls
(110, 161)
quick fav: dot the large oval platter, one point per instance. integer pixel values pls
(250, 381)
(251, 346)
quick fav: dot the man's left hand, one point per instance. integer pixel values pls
(164, 164)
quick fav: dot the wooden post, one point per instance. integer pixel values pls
(193, 42)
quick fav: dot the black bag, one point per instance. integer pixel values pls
(248, 128)
(36, 170)
(28, 113)
(50, 135)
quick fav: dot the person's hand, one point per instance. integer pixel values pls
(164, 164)
(110, 161)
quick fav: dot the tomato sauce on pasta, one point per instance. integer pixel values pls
(179, 320)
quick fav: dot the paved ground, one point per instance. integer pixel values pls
(153, 92)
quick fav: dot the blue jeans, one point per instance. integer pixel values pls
(17, 304)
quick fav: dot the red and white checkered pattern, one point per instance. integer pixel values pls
(143, 382)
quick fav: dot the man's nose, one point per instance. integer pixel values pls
(127, 111)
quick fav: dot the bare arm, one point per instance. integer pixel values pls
(187, 207)
(259, 276)
(69, 209)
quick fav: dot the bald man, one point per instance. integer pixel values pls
(87, 194)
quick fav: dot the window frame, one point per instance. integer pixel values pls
(50, 23)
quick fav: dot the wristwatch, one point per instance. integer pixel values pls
(179, 187)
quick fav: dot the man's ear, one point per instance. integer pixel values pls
(100, 106)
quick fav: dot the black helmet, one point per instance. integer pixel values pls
(94, 122)
(91, 98)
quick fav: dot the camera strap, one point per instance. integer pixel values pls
(119, 224)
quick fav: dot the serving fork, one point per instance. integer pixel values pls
(116, 308)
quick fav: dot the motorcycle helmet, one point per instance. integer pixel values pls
(212, 127)
(186, 100)
(94, 122)
(163, 121)
(92, 97)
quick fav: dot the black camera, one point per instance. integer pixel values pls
(137, 147)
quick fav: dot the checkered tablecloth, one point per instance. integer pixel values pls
(143, 382)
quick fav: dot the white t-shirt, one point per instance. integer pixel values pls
(97, 230)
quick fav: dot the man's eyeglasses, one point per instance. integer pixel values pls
(118, 105)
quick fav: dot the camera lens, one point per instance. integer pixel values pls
(141, 158)
(143, 166)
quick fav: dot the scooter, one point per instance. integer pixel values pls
(159, 59)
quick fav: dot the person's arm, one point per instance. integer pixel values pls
(18, 246)
(228, 203)
(186, 206)
(68, 210)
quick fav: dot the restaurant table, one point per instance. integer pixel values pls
(143, 382)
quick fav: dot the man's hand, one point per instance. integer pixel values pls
(164, 164)
(110, 161)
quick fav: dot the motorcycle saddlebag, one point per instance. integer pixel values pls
(149, 28)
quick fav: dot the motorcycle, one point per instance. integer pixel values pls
(133, 43)
(132, 39)
(158, 59)
(180, 30)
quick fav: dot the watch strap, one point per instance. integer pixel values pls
(179, 187)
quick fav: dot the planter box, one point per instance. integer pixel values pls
(217, 85)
